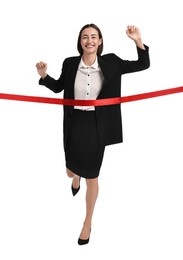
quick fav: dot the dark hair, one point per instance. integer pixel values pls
(100, 48)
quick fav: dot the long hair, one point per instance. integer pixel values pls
(100, 47)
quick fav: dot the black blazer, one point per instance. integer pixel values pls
(109, 122)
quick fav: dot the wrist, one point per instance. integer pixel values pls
(139, 44)
(43, 76)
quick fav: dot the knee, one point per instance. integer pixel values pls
(92, 182)
(70, 174)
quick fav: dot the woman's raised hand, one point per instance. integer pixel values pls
(134, 34)
(41, 69)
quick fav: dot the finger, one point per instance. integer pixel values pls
(41, 65)
(136, 29)
(131, 28)
(38, 66)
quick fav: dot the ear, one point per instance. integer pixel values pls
(100, 42)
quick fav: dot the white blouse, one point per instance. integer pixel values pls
(88, 83)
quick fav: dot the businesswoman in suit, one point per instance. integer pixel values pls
(87, 130)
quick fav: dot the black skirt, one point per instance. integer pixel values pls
(83, 153)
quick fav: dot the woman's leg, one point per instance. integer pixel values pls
(75, 181)
(91, 197)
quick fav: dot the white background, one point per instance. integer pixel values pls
(139, 212)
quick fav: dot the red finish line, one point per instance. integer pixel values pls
(97, 102)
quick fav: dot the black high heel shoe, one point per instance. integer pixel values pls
(84, 241)
(75, 191)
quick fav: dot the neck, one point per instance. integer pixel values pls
(89, 59)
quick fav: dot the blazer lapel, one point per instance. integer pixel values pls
(105, 71)
(73, 71)
(104, 68)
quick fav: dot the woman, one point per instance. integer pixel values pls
(87, 130)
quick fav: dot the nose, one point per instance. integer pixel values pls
(90, 39)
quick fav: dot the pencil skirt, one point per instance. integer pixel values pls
(83, 154)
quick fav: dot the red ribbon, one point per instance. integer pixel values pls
(97, 102)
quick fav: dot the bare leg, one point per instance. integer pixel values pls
(75, 178)
(91, 197)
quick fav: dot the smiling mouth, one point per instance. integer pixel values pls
(89, 46)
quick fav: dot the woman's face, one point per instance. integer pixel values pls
(90, 41)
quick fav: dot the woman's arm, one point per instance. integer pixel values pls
(47, 81)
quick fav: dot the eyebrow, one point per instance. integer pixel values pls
(93, 34)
